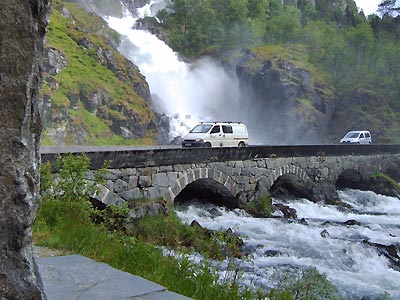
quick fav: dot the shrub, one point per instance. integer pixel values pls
(309, 285)
(260, 208)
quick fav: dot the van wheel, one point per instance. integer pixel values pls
(207, 145)
(241, 145)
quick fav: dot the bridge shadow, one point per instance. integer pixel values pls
(207, 190)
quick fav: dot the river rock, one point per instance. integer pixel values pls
(22, 31)
(352, 223)
(391, 252)
(288, 212)
(324, 233)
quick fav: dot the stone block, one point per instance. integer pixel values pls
(152, 193)
(189, 175)
(242, 179)
(230, 184)
(176, 189)
(250, 187)
(120, 186)
(133, 182)
(261, 163)
(129, 172)
(113, 174)
(182, 168)
(160, 180)
(107, 197)
(166, 169)
(239, 164)
(144, 181)
(172, 177)
(253, 179)
(236, 171)
(148, 171)
(133, 194)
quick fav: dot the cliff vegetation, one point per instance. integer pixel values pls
(91, 95)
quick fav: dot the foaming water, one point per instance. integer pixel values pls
(279, 245)
(188, 93)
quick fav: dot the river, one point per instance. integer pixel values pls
(317, 238)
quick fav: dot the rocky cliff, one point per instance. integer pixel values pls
(22, 29)
(284, 94)
(91, 93)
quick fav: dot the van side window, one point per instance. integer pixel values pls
(361, 135)
(227, 129)
(215, 129)
(367, 134)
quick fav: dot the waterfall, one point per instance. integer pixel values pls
(186, 92)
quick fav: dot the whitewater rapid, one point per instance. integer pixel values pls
(187, 93)
(279, 245)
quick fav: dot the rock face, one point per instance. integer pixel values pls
(78, 105)
(288, 99)
(21, 47)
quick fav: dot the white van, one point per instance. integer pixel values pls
(357, 137)
(217, 134)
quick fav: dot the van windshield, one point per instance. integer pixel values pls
(202, 128)
(352, 135)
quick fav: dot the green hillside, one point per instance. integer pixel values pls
(95, 94)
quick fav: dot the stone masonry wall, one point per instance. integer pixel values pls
(249, 177)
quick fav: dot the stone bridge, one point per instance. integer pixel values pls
(232, 176)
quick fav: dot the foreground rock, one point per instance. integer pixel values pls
(20, 56)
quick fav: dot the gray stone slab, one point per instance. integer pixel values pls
(74, 277)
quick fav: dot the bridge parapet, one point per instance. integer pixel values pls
(245, 172)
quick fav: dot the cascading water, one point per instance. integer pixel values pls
(346, 254)
(188, 93)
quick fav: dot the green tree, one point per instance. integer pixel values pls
(285, 27)
(387, 8)
(359, 40)
(258, 9)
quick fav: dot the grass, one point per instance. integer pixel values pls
(59, 225)
(383, 178)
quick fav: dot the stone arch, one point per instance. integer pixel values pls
(288, 169)
(191, 175)
(350, 178)
(293, 180)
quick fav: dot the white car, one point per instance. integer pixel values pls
(357, 137)
(217, 134)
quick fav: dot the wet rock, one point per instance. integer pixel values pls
(273, 253)
(352, 223)
(288, 212)
(324, 233)
(391, 252)
(303, 221)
